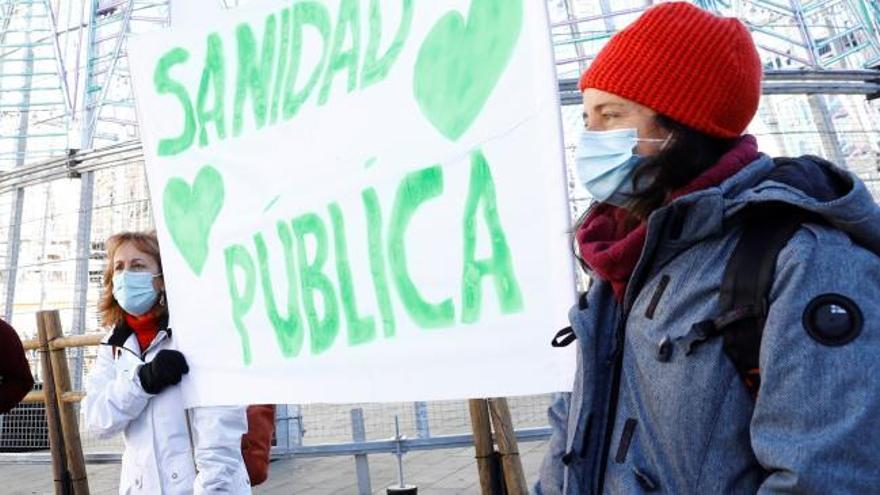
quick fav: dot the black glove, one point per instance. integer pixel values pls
(165, 369)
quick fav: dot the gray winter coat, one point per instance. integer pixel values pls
(638, 422)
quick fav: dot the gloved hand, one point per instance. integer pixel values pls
(165, 369)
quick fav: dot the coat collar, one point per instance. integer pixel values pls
(122, 331)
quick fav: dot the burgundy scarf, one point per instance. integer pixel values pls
(612, 251)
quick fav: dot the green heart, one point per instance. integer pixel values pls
(190, 213)
(460, 62)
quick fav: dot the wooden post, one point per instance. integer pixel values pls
(49, 326)
(514, 478)
(56, 443)
(485, 450)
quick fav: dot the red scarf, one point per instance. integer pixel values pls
(145, 328)
(612, 251)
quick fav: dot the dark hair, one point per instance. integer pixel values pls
(688, 154)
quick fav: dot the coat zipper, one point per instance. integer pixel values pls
(617, 358)
(159, 338)
(611, 417)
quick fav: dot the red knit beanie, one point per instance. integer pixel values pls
(683, 62)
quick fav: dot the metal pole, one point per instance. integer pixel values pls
(86, 202)
(81, 276)
(288, 427)
(88, 121)
(827, 130)
(423, 429)
(12, 244)
(362, 465)
(607, 13)
(123, 32)
(575, 31)
(14, 237)
(809, 43)
(59, 58)
(399, 453)
(282, 428)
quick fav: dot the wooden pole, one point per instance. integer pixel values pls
(56, 443)
(49, 324)
(514, 478)
(85, 340)
(485, 450)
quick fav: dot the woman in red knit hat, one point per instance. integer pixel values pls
(730, 341)
(133, 387)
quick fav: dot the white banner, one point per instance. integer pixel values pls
(360, 200)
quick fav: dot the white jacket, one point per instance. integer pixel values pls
(160, 435)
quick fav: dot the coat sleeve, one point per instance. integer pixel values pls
(551, 476)
(15, 373)
(256, 444)
(216, 435)
(815, 426)
(114, 396)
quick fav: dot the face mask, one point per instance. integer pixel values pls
(134, 291)
(606, 164)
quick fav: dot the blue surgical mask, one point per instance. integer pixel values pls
(606, 164)
(134, 291)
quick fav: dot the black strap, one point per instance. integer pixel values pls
(767, 228)
(564, 337)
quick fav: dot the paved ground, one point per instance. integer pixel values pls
(441, 472)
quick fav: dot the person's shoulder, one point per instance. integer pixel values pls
(825, 244)
(822, 258)
(7, 333)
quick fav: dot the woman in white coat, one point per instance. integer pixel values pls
(132, 387)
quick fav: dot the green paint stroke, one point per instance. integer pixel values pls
(214, 81)
(347, 22)
(271, 203)
(361, 330)
(288, 331)
(323, 331)
(377, 260)
(237, 256)
(190, 213)
(416, 188)
(252, 78)
(282, 64)
(460, 63)
(165, 85)
(304, 14)
(376, 68)
(500, 264)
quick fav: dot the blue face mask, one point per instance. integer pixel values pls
(606, 164)
(134, 291)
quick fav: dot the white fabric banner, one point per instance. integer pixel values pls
(360, 200)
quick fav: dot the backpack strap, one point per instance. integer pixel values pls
(745, 287)
(746, 284)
